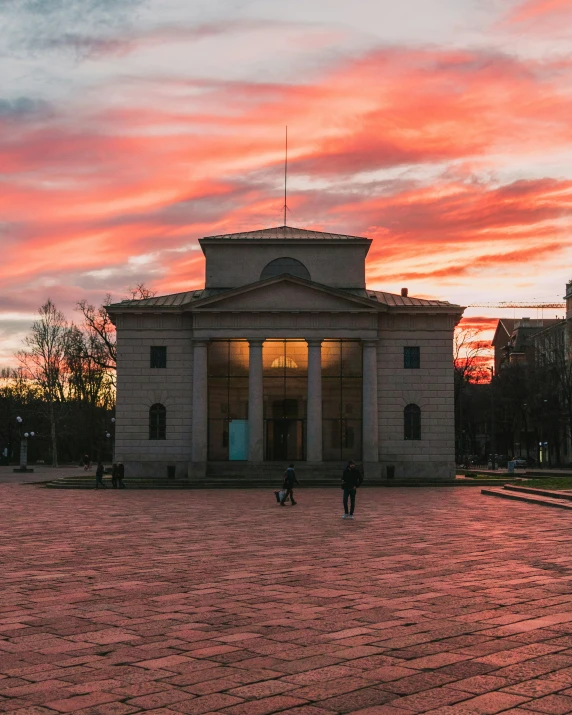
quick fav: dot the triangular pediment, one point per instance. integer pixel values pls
(285, 293)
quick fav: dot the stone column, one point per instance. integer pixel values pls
(255, 403)
(200, 409)
(314, 416)
(370, 421)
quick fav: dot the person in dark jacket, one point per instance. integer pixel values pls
(288, 485)
(351, 480)
(121, 475)
(99, 476)
(114, 476)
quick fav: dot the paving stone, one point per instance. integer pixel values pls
(553, 704)
(350, 702)
(489, 704)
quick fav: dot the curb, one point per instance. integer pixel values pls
(529, 498)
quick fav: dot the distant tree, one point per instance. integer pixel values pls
(44, 362)
(471, 355)
(18, 397)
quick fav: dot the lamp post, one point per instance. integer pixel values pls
(23, 448)
(493, 440)
(110, 435)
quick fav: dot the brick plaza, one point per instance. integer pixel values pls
(431, 601)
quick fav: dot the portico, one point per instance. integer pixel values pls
(285, 356)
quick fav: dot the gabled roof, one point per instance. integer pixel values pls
(365, 298)
(172, 300)
(503, 331)
(401, 301)
(303, 283)
(284, 232)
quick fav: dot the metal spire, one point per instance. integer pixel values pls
(285, 176)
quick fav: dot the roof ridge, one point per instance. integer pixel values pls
(284, 232)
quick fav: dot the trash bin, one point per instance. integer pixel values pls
(510, 466)
(390, 471)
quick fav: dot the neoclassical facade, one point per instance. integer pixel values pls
(285, 356)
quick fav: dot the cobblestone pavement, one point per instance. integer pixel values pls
(430, 601)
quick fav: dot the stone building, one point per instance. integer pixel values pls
(285, 356)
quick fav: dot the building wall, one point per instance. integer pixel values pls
(431, 387)
(233, 264)
(139, 386)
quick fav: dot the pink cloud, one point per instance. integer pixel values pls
(539, 9)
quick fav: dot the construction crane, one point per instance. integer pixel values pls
(516, 304)
(513, 304)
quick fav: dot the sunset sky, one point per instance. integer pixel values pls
(442, 129)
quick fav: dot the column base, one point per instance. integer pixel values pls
(197, 470)
(23, 470)
(371, 470)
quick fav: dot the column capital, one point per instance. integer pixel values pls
(370, 342)
(200, 343)
(256, 342)
(314, 342)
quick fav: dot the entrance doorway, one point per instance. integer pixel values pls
(285, 440)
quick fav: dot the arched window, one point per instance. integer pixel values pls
(285, 265)
(412, 422)
(157, 421)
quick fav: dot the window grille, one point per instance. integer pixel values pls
(158, 356)
(412, 357)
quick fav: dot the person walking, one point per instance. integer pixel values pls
(114, 476)
(288, 485)
(351, 480)
(99, 476)
(121, 475)
(86, 462)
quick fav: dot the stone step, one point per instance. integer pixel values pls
(540, 492)
(530, 498)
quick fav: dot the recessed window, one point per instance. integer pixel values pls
(412, 422)
(412, 357)
(279, 266)
(158, 356)
(157, 422)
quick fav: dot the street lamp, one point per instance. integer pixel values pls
(493, 440)
(112, 437)
(23, 448)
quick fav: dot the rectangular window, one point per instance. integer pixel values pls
(412, 357)
(158, 356)
(227, 398)
(341, 400)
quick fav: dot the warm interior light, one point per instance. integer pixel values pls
(284, 361)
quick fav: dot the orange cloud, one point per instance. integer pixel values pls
(538, 9)
(413, 147)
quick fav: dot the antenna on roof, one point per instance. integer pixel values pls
(285, 175)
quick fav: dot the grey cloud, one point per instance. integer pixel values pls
(81, 28)
(23, 108)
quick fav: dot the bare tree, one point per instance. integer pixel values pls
(45, 362)
(101, 331)
(141, 292)
(471, 355)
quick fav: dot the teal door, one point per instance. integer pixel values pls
(238, 440)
